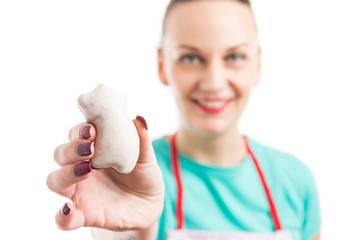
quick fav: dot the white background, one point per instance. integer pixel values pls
(52, 51)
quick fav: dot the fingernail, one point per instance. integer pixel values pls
(84, 149)
(85, 132)
(82, 169)
(65, 209)
(143, 120)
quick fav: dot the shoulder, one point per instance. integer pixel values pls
(162, 153)
(283, 167)
(161, 148)
(271, 155)
(160, 144)
(293, 186)
(167, 219)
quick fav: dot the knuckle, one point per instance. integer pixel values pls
(50, 182)
(75, 132)
(64, 153)
(71, 133)
(57, 156)
(61, 154)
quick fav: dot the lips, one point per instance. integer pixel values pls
(212, 106)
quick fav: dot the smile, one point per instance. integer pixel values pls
(214, 106)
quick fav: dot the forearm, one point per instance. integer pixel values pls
(146, 234)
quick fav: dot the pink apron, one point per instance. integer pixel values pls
(182, 234)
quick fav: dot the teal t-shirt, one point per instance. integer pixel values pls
(233, 199)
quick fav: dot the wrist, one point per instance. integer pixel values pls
(149, 233)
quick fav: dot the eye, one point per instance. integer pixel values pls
(236, 57)
(190, 58)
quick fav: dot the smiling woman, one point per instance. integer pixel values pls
(208, 180)
(212, 60)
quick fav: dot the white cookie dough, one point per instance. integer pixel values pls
(117, 140)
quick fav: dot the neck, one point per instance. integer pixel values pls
(223, 150)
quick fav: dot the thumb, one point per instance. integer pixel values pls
(146, 149)
(69, 217)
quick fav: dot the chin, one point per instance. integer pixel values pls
(214, 128)
(210, 124)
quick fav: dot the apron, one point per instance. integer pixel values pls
(181, 234)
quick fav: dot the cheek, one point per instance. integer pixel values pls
(244, 80)
(182, 82)
(241, 83)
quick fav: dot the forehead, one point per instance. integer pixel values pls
(210, 22)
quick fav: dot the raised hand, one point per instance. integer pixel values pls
(104, 198)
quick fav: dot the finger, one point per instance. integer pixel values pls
(75, 151)
(69, 217)
(83, 131)
(62, 181)
(146, 148)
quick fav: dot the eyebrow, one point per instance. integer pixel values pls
(197, 50)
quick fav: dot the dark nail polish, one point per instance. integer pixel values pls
(82, 169)
(65, 209)
(84, 149)
(85, 132)
(143, 120)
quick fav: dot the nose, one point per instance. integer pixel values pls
(214, 77)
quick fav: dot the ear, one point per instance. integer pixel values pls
(258, 68)
(161, 70)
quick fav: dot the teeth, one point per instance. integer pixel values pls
(212, 104)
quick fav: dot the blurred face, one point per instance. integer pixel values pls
(210, 59)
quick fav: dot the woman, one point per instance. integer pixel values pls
(208, 176)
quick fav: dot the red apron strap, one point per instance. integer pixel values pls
(273, 212)
(179, 201)
(176, 170)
